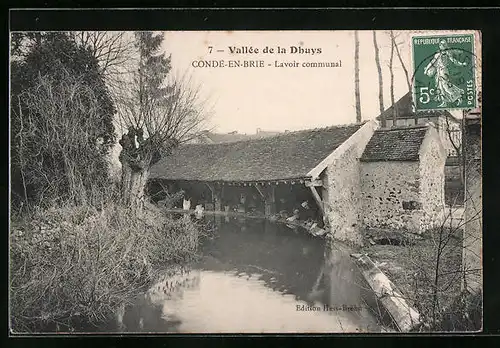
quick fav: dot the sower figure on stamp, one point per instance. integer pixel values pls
(447, 92)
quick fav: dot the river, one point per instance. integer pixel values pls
(256, 276)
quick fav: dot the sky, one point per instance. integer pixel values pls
(279, 99)
(288, 98)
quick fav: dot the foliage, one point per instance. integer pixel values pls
(429, 273)
(77, 265)
(61, 121)
(158, 110)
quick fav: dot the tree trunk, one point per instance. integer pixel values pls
(391, 69)
(125, 181)
(356, 77)
(380, 80)
(406, 73)
(136, 164)
(133, 185)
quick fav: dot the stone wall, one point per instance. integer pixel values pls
(341, 186)
(432, 163)
(390, 195)
(342, 208)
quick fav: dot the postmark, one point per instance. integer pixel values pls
(444, 72)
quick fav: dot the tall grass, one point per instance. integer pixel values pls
(76, 265)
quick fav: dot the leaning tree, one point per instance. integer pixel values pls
(158, 111)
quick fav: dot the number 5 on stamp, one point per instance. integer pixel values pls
(444, 72)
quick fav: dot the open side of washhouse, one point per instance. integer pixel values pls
(266, 176)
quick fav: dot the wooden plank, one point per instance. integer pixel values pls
(405, 317)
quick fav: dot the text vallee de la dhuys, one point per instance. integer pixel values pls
(266, 49)
(215, 60)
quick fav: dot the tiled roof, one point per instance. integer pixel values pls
(289, 155)
(226, 138)
(404, 107)
(210, 137)
(395, 144)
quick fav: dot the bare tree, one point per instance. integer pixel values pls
(114, 51)
(400, 58)
(159, 110)
(391, 70)
(356, 76)
(380, 79)
(403, 65)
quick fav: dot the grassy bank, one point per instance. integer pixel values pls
(428, 272)
(72, 267)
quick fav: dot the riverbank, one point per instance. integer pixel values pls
(427, 270)
(308, 227)
(73, 267)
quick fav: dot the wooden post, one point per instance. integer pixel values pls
(312, 185)
(270, 206)
(222, 194)
(217, 201)
(216, 196)
(318, 200)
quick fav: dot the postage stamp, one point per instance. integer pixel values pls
(444, 72)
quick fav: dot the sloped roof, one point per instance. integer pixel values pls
(233, 137)
(404, 107)
(286, 156)
(395, 144)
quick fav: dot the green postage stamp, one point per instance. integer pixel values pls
(444, 72)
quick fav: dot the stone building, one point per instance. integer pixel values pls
(402, 184)
(354, 176)
(447, 126)
(449, 129)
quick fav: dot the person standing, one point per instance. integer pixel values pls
(186, 204)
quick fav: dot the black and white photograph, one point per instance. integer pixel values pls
(211, 181)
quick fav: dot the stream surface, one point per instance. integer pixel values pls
(256, 276)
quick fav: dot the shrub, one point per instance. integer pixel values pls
(74, 266)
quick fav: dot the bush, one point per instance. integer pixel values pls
(75, 266)
(61, 122)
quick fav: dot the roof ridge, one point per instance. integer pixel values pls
(418, 126)
(283, 134)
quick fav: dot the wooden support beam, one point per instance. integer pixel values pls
(318, 200)
(212, 189)
(216, 196)
(312, 183)
(260, 192)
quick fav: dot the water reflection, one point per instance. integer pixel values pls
(256, 276)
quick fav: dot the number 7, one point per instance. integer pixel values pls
(210, 49)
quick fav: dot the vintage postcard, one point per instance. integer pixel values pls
(245, 182)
